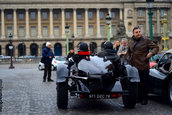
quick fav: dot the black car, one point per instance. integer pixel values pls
(160, 77)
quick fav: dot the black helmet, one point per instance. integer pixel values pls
(83, 47)
(108, 45)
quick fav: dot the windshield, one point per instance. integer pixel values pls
(60, 58)
(165, 58)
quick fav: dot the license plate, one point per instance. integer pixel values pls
(99, 96)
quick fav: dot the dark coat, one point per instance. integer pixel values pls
(116, 49)
(119, 69)
(138, 50)
(46, 53)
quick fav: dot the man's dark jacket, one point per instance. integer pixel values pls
(138, 50)
(46, 53)
(110, 52)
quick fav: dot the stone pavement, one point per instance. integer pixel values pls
(24, 93)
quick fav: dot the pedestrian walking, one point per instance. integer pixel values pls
(123, 51)
(48, 56)
(116, 46)
(140, 50)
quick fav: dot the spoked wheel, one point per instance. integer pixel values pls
(62, 95)
(170, 92)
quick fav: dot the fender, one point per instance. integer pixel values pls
(61, 72)
(132, 73)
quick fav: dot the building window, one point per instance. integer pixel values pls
(113, 14)
(140, 12)
(56, 31)
(9, 31)
(67, 15)
(9, 16)
(113, 30)
(44, 15)
(141, 28)
(56, 14)
(101, 14)
(45, 31)
(79, 15)
(33, 31)
(21, 15)
(91, 30)
(90, 14)
(102, 30)
(21, 31)
(32, 15)
(162, 12)
(79, 30)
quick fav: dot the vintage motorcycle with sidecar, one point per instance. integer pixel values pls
(96, 79)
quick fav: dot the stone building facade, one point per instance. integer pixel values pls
(34, 22)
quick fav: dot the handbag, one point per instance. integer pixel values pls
(42, 60)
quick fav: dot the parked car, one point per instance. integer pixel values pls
(55, 62)
(160, 77)
(154, 60)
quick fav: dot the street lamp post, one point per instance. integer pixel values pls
(73, 38)
(150, 13)
(108, 20)
(11, 51)
(165, 36)
(67, 38)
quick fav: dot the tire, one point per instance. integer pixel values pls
(170, 92)
(129, 99)
(39, 67)
(52, 68)
(62, 95)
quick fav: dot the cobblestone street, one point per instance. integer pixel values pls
(24, 93)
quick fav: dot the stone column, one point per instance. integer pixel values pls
(147, 23)
(109, 11)
(169, 17)
(86, 22)
(63, 23)
(15, 23)
(98, 22)
(51, 23)
(135, 17)
(27, 23)
(120, 13)
(74, 23)
(39, 24)
(158, 22)
(2, 24)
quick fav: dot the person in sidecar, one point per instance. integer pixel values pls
(109, 51)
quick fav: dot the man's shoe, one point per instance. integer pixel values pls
(44, 80)
(50, 80)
